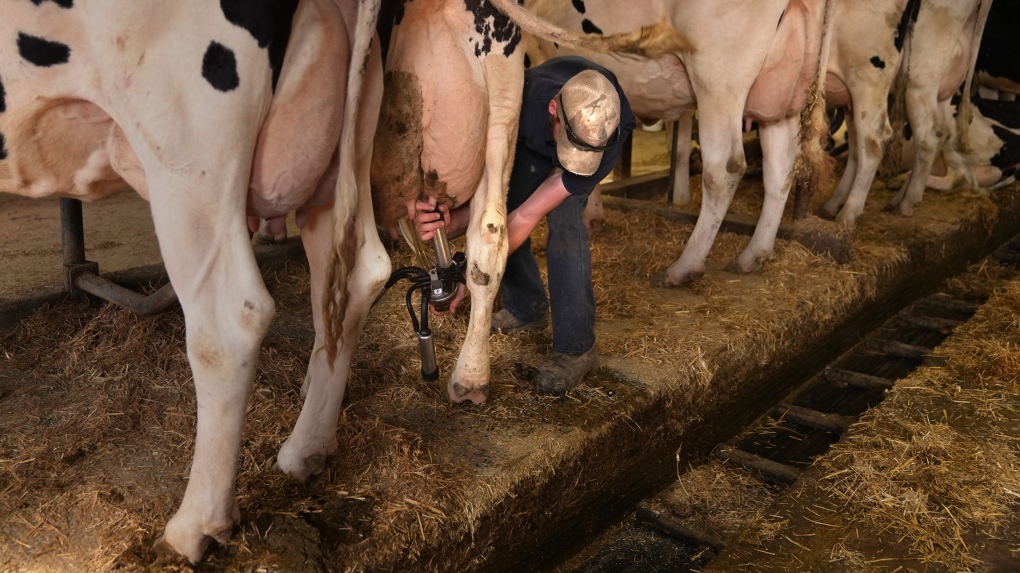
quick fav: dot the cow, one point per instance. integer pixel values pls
(930, 46)
(762, 64)
(209, 110)
(448, 132)
(992, 155)
(214, 111)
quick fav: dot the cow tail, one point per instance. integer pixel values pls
(966, 111)
(814, 166)
(893, 158)
(650, 41)
(345, 206)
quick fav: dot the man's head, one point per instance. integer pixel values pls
(588, 109)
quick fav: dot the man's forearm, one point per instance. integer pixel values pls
(518, 229)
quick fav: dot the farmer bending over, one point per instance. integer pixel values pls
(574, 120)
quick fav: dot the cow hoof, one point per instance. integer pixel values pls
(190, 550)
(460, 393)
(306, 468)
(736, 266)
(847, 222)
(826, 213)
(191, 539)
(300, 465)
(662, 280)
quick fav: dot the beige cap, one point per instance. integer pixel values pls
(591, 107)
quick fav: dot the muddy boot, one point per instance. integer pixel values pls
(561, 372)
(506, 323)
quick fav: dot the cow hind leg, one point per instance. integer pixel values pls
(871, 134)
(486, 259)
(486, 232)
(227, 311)
(314, 437)
(839, 196)
(722, 153)
(929, 134)
(304, 453)
(780, 146)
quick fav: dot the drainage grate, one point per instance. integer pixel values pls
(778, 447)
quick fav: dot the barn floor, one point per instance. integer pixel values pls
(929, 480)
(97, 407)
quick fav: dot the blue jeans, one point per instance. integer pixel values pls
(568, 258)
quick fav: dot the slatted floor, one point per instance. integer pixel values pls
(809, 421)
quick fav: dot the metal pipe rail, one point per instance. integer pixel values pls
(81, 275)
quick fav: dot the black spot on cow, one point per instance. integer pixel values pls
(43, 53)
(219, 67)
(3, 149)
(877, 62)
(907, 20)
(3, 98)
(268, 21)
(590, 28)
(527, 61)
(478, 276)
(431, 178)
(65, 4)
(578, 5)
(493, 26)
(908, 132)
(1009, 155)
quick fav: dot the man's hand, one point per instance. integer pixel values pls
(457, 299)
(427, 220)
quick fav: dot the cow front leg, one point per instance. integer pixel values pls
(722, 153)
(779, 144)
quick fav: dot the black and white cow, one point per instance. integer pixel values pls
(447, 132)
(992, 154)
(931, 43)
(761, 62)
(198, 106)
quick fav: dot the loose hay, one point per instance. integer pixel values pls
(720, 499)
(938, 463)
(97, 418)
